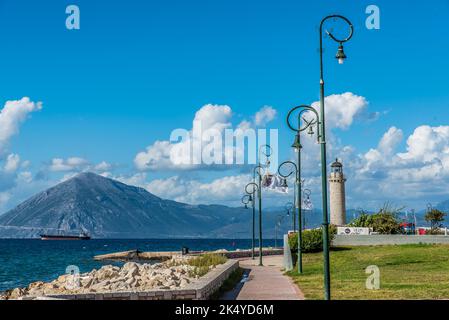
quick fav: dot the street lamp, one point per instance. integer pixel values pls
(307, 204)
(277, 226)
(251, 198)
(303, 123)
(265, 150)
(246, 199)
(256, 188)
(289, 206)
(341, 56)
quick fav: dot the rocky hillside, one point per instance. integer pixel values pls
(106, 208)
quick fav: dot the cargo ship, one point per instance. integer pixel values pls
(81, 236)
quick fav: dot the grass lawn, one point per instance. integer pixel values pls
(406, 272)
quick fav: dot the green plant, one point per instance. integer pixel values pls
(204, 262)
(435, 217)
(312, 240)
(385, 221)
(229, 284)
(364, 220)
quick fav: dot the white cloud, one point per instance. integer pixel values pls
(12, 163)
(74, 165)
(428, 143)
(342, 109)
(415, 176)
(25, 176)
(210, 119)
(70, 164)
(154, 157)
(226, 189)
(390, 140)
(12, 115)
(11, 173)
(103, 166)
(264, 116)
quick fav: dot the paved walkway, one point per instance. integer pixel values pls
(267, 282)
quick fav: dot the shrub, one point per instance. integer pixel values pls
(364, 220)
(435, 217)
(312, 240)
(384, 222)
(204, 262)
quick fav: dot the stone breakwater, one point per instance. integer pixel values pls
(172, 274)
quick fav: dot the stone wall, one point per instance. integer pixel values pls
(247, 253)
(376, 240)
(201, 289)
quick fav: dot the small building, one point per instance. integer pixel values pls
(337, 194)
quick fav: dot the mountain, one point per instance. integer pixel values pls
(106, 208)
(443, 206)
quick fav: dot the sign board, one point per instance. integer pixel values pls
(353, 230)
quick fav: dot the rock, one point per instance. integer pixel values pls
(129, 266)
(184, 282)
(17, 293)
(36, 285)
(131, 277)
(107, 272)
(86, 282)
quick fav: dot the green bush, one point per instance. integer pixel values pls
(203, 263)
(364, 220)
(435, 217)
(312, 240)
(384, 222)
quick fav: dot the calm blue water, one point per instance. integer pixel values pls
(26, 261)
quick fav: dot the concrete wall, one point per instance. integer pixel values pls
(247, 253)
(201, 289)
(376, 240)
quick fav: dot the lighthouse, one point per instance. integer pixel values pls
(337, 194)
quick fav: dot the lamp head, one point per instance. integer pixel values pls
(284, 183)
(310, 132)
(246, 206)
(297, 144)
(341, 56)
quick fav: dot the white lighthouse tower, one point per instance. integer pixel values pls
(337, 194)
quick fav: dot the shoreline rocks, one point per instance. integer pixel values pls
(171, 274)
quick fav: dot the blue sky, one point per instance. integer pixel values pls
(138, 69)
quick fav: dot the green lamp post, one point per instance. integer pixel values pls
(251, 198)
(341, 56)
(304, 122)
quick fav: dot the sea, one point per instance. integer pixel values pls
(26, 261)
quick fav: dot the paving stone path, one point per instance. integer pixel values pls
(267, 282)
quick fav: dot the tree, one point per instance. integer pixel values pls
(385, 221)
(435, 217)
